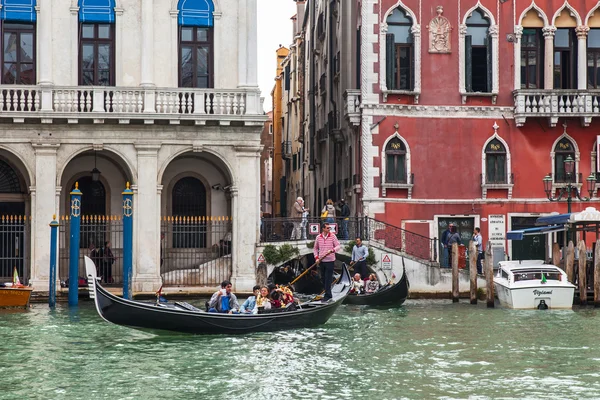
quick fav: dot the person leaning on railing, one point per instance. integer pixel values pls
(298, 215)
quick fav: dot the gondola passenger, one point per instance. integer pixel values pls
(372, 285)
(250, 302)
(358, 286)
(224, 301)
(262, 300)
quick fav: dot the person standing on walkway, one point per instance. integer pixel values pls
(453, 238)
(326, 245)
(345, 217)
(360, 252)
(444, 240)
(479, 243)
(328, 212)
(298, 211)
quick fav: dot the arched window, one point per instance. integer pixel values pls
(189, 200)
(9, 181)
(196, 43)
(93, 198)
(18, 41)
(563, 149)
(395, 158)
(97, 42)
(478, 54)
(399, 51)
(495, 162)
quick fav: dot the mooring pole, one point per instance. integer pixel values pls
(127, 241)
(581, 279)
(455, 288)
(569, 261)
(489, 275)
(74, 246)
(53, 240)
(473, 270)
(556, 254)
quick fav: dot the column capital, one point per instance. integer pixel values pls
(45, 148)
(549, 32)
(582, 31)
(462, 30)
(518, 31)
(147, 149)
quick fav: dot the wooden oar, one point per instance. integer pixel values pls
(302, 274)
(323, 292)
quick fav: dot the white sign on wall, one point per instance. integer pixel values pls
(386, 261)
(497, 230)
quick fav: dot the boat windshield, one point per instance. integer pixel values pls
(550, 275)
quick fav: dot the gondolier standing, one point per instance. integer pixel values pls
(360, 253)
(326, 245)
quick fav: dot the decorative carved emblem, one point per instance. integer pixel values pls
(75, 208)
(439, 33)
(127, 208)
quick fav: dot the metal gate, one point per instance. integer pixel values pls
(195, 251)
(95, 232)
(15, 251)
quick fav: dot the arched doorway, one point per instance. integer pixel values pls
(196, 221)
(14, 224)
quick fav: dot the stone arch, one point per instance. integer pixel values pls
(171, 184)
(399, 4)
(591, 14)
(539, 11)
(572, 12)
(216, 4)
(487, 13)
(20, 165)
(14, 184)
(229, 170)
(127, 167)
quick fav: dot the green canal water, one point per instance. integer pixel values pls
(424, 350)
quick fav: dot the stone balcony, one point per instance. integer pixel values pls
(556, 103)
(51, 104)
(352, 106)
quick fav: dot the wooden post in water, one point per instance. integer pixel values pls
(455, 290)
(569, 260)
(556, 254)
(473, 270)
(597, 274)
(582, 273)
(489, 275)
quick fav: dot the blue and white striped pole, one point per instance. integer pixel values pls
(127, 241)
(74, 246)
(53, 240)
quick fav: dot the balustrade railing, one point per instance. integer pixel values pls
(556, 103)
(130, 101)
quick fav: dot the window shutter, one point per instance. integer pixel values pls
(468, 64)
(502, 169)
(402, 169)
(490, 170)
(490, 61)
(390, 50)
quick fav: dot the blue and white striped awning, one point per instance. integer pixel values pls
(98, 11)
(196, 12)
(18, 10)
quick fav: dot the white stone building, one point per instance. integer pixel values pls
(159, 93)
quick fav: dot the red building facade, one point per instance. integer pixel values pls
(467, 105)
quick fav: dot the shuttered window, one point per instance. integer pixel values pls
(395, 156)
(495, 163)
(399, 51)
(478, 54)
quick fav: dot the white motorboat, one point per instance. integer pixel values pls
(531, 284)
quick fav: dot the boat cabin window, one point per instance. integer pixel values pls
(536, 275)
(505, 274)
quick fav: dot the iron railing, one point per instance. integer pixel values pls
(95, 233)
(369, 229)
(195, 251)
(14, 247)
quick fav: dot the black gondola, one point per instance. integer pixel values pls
(389, 295)
(181, 317)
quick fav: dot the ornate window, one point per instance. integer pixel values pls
(189, 200)
(593, 59)
(562, 150)
(400, 51)
(478, 54)
(9, 181)
(495, 163)
(196, 43)
(565, 60)
(532, 59)
(395, 159)
(18, 42)
(97, 42)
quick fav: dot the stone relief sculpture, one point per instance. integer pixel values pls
(439, 33)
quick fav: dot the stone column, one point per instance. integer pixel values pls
(582, 32)
(42, 211)
(251, 44)
(146, 239)
(549, 56)
(245, 205)
(517, 55)
(147, 79)
(44, 43)
(242, 43)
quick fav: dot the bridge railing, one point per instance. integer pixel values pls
(287, 229)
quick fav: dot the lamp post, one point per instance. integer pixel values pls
(569, 190)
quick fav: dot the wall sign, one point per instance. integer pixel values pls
(497, 230)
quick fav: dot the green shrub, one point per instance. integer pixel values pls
(276, 255)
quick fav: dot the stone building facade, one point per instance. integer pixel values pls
(161, 94)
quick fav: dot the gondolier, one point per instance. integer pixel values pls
(360, 252)
(326, 245)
